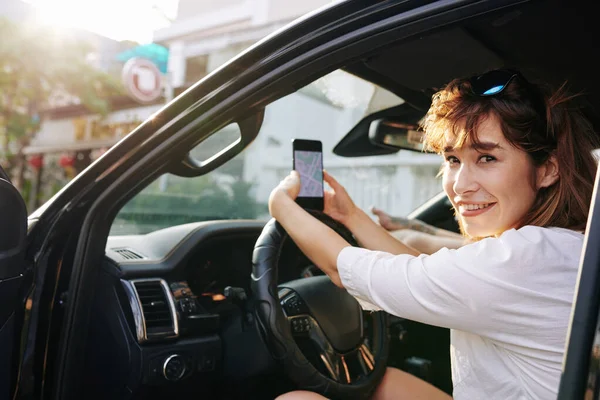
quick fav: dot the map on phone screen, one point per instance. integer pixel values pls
(309, 165)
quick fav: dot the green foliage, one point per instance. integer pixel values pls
(40, 69)
(185, 200)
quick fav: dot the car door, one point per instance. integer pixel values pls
(13, 230)
(581, 373)
(86, 207)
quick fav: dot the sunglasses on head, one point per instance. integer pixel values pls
(493, 82)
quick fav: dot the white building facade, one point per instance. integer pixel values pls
(207, 33)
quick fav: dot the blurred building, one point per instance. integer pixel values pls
(70, 136)
(68, 126)
(204, 35)
(207, 33)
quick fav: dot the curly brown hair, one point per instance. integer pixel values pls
(537, 120)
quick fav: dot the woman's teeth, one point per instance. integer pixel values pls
(473, 207)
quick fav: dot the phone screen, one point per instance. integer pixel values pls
(309, 165)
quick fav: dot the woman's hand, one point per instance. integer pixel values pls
(388, 222)
(317, 241)
(338, 204)
(287, 189)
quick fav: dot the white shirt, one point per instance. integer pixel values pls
(507, 301)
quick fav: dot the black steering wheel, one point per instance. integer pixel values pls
(348, 361)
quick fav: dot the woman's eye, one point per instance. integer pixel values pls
(487, 159)
(451, 160)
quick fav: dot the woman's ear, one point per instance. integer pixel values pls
(547, 174)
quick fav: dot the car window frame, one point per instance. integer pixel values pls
(180, 133)
(584, 327)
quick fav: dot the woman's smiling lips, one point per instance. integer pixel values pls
(474, 209)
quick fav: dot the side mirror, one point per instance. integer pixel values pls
(392, 134)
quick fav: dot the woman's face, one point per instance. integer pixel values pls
(493, 185)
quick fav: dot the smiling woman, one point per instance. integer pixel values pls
(110, 317)
(519, 172)
(476, 178)
(522, 137)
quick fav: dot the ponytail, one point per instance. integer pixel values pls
(566, 203)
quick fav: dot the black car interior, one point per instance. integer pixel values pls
(13, 237)
(175, 310)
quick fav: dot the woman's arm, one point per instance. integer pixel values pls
(420, 226)
(426, 243)
(464, 289)
(370, 235)
(391, 223)
(373, 236)
(318, 242)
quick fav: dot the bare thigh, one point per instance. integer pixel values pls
(395, 385)
(400, 385)
(300, 395)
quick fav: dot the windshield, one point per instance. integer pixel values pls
(324, 110)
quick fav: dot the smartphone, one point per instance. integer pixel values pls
(308, 161)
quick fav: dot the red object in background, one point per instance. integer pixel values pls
(36, 161)
(66, 161)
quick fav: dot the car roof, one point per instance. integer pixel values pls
(554, 38)
(552, 41)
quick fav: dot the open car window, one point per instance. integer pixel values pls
(324, 110)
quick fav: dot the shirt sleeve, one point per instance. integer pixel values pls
(474, 288)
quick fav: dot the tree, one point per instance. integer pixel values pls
(185, 200)
(41, 69)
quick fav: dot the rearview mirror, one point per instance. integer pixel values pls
(392, 134)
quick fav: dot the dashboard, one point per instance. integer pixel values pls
(227, 262)
(204, 258)
(173, 311)
(183, 306)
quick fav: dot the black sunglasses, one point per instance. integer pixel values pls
(494, 82)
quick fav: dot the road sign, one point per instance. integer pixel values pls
(142, 80)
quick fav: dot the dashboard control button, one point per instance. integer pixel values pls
(154, 369)
(300, 325)
(174, 367)
(207, 363)
(188, 306)
(294, 305)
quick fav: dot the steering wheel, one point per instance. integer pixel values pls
(347, 361)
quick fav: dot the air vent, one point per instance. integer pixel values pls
(153, 309)
(129, 254)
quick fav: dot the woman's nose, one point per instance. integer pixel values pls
(465, 180)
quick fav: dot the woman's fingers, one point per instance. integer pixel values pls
(380, 213)
(291, 179)
(331, 181)
(329, 196)
(291, 184)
